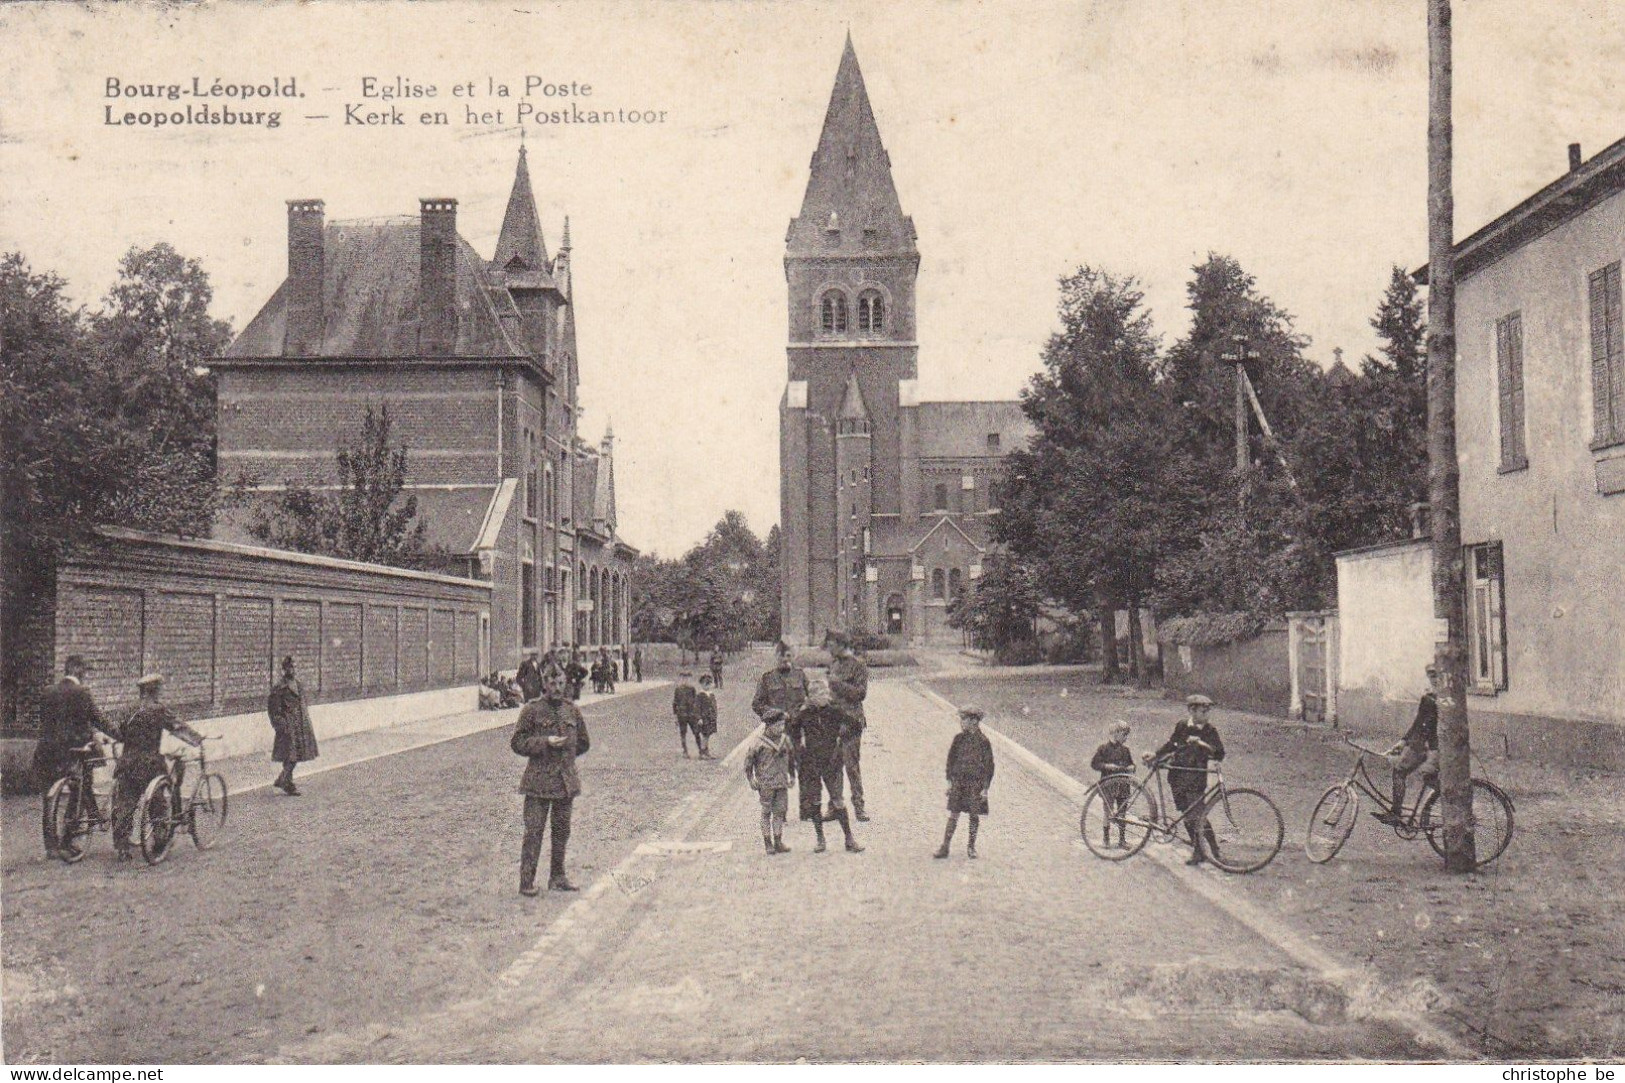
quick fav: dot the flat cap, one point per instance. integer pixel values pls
(973, 713)
(149, 679)
(1198, 700)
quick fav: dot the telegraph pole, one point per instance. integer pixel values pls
(1444, 476)
(1239, 356)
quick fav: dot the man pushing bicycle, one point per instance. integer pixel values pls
(142, 761)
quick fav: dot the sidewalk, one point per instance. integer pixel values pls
(1524, 959)
(701, 948)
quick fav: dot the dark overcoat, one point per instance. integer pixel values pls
(290, 718)
(68, 720)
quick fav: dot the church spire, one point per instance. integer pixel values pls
(521, 236)
(851, 202)
(853, 408)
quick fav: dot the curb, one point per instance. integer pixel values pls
(1361, 986)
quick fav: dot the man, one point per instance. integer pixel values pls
(1195, 742)
(716, 667)
(782, 688)
(637, 663)
(626, 664)
(529, 677)
(1418, 748)
(574, 674)
(295, 740)
(685, 708)
(68, 720)
(143, 733)
(551, 733)
(849, 685)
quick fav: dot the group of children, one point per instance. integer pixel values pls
(696, 713)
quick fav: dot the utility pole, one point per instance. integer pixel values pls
(1444, 476)
(1239, 356)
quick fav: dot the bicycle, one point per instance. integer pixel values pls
(71, 807)
(162, 813)
(1247, 828)
(1338, 809)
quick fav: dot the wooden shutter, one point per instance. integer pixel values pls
(1509, 365)
(1607, 394)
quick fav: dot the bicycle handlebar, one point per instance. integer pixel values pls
(1368, 751)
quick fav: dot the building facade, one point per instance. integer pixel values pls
(884, 499)
(1540, 431)
(476, 363)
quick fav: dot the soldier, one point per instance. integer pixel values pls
(782, 688)
(551, 733)
(849, 685)
(142, 762)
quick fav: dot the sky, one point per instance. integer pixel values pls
(1025, 139)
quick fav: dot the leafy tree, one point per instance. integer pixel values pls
(364, 518)
(1001, 609)
(718, 594)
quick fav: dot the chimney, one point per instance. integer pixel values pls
(1574, 157)
(437, 277)
(302, 330)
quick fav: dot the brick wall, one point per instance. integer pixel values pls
(215, 619)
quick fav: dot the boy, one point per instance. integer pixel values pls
(707, 702)
(970, 773)
(770, 768)
(1115, 763)
(1194, 743)
(817, 729)
(685, 704)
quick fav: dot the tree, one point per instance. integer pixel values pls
(721, 592)
(364, 518)
(1002, 607)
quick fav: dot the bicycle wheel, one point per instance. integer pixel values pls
(1491, 822)
(1247, 830)
(1332, 822)
(1124, 814)
(155, 820)
(65, 828)
(206, 817)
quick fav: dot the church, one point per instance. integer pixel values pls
(476, 361)
(885, 500)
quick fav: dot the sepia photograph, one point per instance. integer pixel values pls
(1082, 532)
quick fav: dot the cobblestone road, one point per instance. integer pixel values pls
(1034, 952)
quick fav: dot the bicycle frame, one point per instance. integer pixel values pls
(1360, 778)
(1169, 829)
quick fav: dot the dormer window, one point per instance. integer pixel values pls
(871, 312)
(832, 313)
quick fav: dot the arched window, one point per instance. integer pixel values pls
(941, 494)
(939, 584)
(871, 312)
(832, 313)
(955, 583)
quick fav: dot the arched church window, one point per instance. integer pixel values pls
(871, 312)
(939, 584)
(832, 313)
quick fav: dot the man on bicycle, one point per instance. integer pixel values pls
(1195, 742)
(1418, 748)
(142, 762)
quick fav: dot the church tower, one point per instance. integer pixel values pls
(850, 262)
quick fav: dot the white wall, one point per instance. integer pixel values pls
(1385, 619)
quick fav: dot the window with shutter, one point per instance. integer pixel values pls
(1607, 377)
(1486, 618)
(1509, 369)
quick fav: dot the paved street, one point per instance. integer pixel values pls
(1035, 952)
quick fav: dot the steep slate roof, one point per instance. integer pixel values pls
(853, 408)
(952, 430)
(370, 298)
(521, 236)
(851, 177)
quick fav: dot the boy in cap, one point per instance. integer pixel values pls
(970, 773)
(1419, 748)
(1115, 763)
(1194, 743)
(770, 767)
(685, 704)
(706, 700)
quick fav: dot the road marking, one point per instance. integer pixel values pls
(675, 847)
(1362, 986)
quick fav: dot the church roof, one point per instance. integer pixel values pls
(370, 298)
(520, 245)
(851, 202)
(853, 408)
(959, 430)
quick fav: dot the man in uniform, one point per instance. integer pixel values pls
(783, 688)
(551, 733)
(849, 685)
(142, 761)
